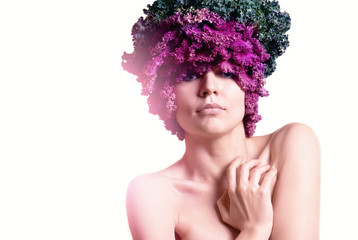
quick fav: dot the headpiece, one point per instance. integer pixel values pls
(181, 38)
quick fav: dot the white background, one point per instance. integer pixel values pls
(74, 129)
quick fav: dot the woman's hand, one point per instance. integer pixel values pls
(246, 204)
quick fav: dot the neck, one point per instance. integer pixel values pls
(206, 159)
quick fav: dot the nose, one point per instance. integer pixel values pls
(209, 85)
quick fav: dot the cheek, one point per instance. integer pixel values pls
(182, 106)
(183, 94)
(237, 103)
(184, 103)
(182, 115)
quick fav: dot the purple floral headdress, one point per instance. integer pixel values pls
(191, 44)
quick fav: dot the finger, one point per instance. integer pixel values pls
(256, 174)
(244, 170)
(231, 174)
(223, 209)
(273, 184)
(269, 180)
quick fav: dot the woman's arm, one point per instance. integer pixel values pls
(150, 215)
(296, 199)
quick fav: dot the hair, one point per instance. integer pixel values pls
(180, 38)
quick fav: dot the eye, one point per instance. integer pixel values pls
(226, 75)
(190, 77)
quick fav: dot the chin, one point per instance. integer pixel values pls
(216, 130)
(211, 126)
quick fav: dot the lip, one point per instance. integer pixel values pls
(210, 108)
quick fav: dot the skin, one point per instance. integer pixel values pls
(228, 186)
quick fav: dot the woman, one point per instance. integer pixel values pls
(202, 65)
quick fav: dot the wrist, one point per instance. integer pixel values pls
(255, 233)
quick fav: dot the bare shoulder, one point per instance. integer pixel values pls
(293, 132)
(150, 207)
(142, 182)
(154, 188)
(294, 141)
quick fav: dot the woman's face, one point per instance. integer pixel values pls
(211, 105)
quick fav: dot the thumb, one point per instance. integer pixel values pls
(223, 206)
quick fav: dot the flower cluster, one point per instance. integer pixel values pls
(271, 23)
(177, 40)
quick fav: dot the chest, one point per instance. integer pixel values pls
(199, 219)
